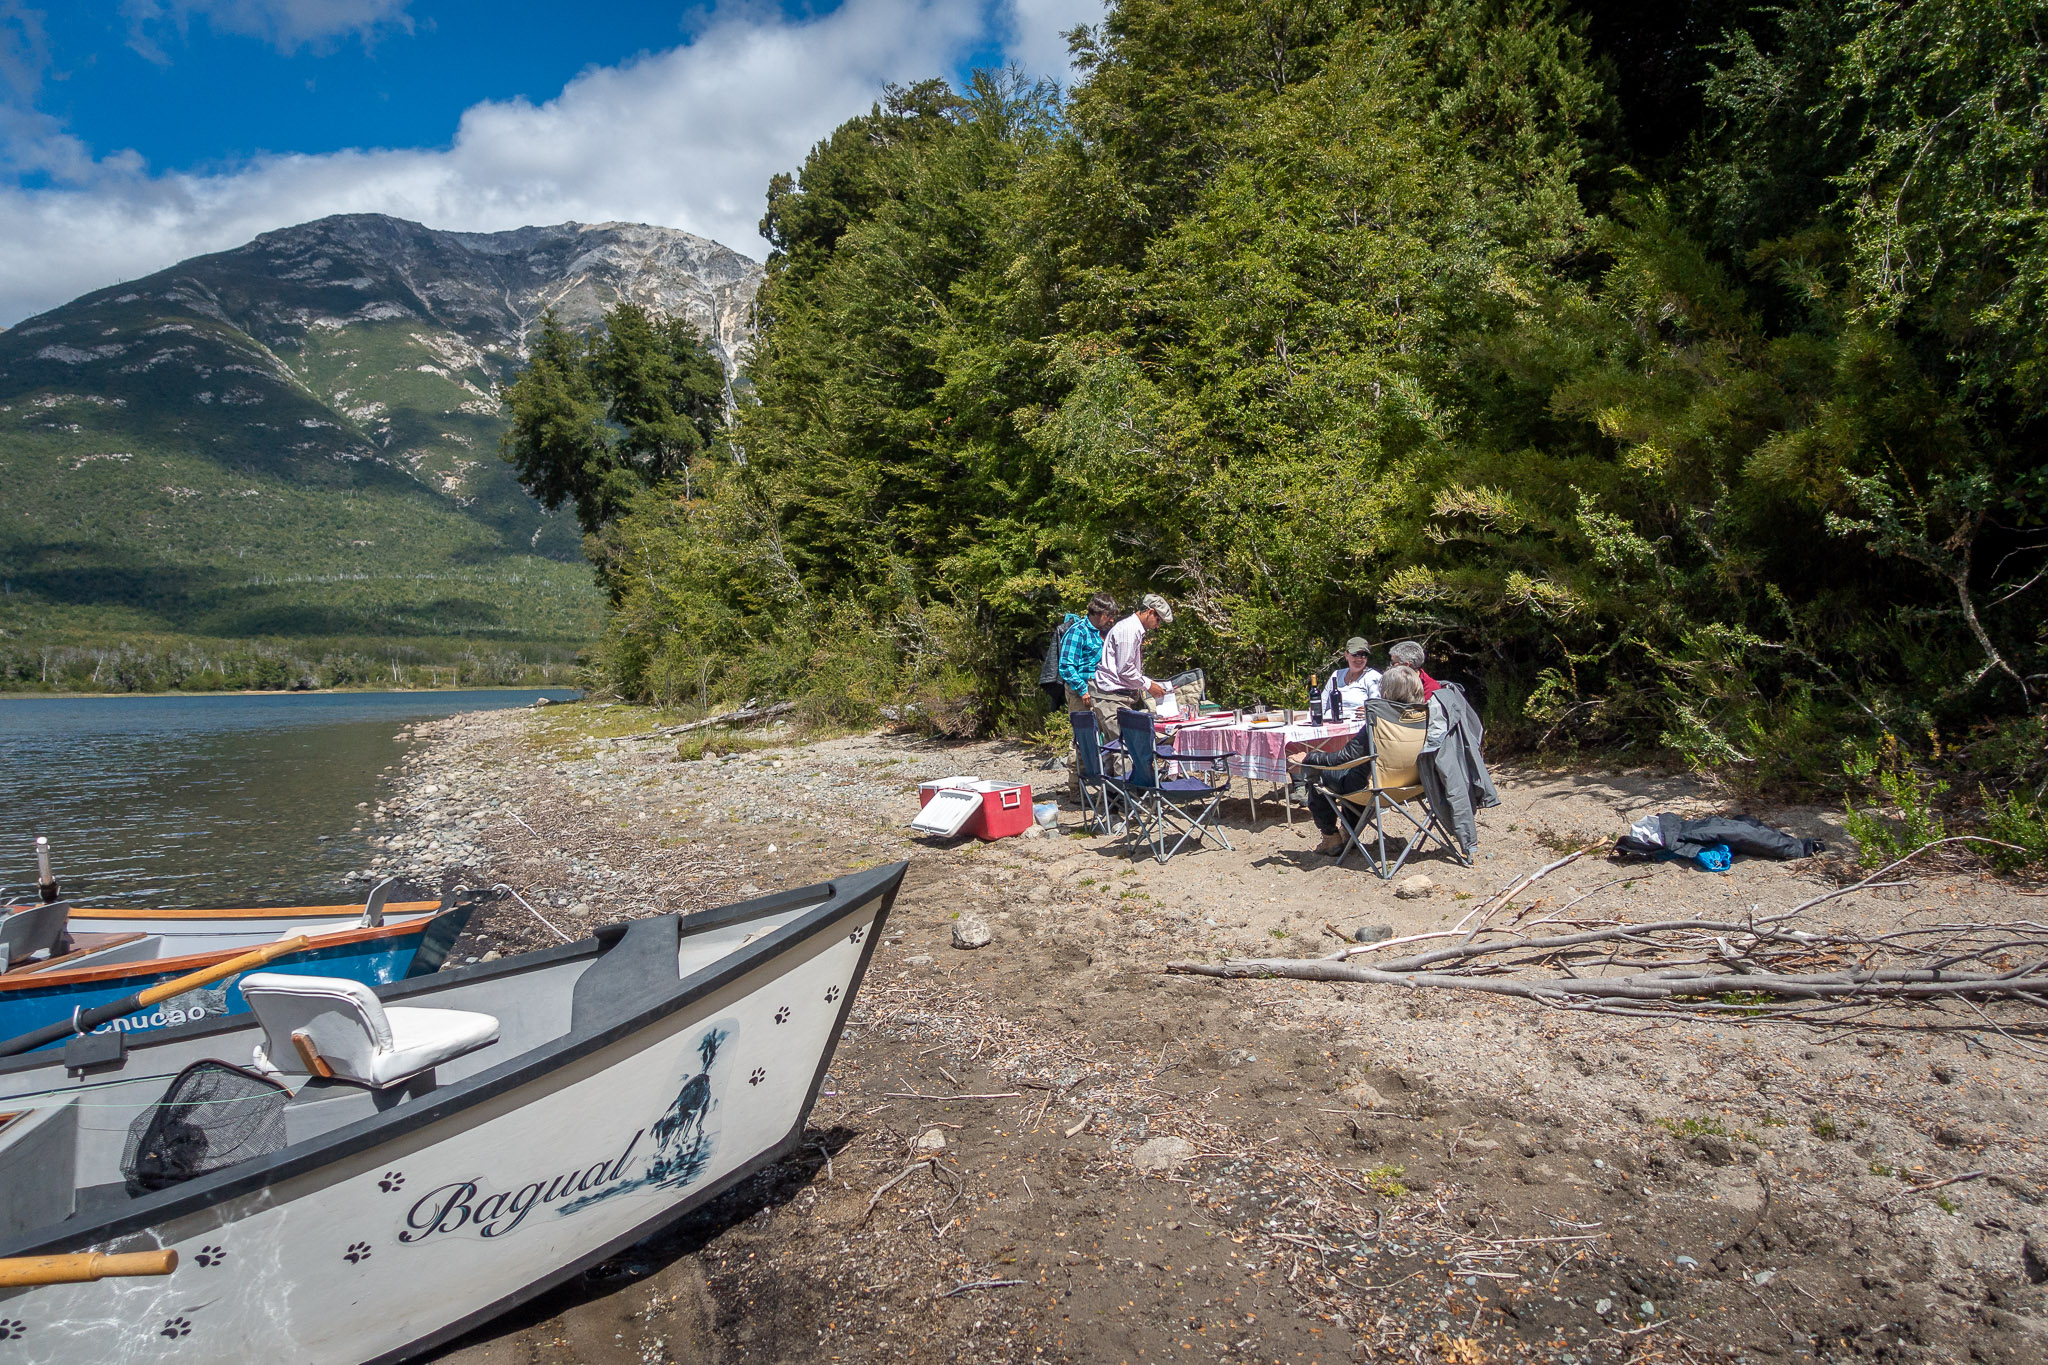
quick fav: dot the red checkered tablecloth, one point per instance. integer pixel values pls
(1255, 751)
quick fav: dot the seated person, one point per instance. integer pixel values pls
(1400, 692)
(1411, 653)
(1352, 686)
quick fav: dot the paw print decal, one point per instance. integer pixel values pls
(857, 935)
(831, 994)
(211, 1255)
(12, 1329)
(758, 1076)
(175, 1328)
(392, 1180)
(782, 1015)
(357, 1251)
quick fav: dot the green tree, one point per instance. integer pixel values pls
(1676, 373)
(633, 404)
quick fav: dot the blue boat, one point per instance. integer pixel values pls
(35, 994)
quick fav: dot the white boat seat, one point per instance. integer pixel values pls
(338, 1029)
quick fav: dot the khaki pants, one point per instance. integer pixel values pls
(1107, 704)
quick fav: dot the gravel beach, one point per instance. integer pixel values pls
(1047, 1148)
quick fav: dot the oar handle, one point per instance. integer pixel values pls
(207, 975)
(85, 1021)
(81, 1266)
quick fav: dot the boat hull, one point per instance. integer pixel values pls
(376, 957)
(385, 1237)
(201, 931)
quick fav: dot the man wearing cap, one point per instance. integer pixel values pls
(1352, 686)
(1120, 681)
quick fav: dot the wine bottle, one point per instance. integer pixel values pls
(1315, 702)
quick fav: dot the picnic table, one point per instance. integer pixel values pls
(1257, 753)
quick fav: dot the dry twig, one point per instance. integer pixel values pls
(1934, 1185)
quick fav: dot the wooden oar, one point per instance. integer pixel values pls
(81, 1266)
(84, 1021)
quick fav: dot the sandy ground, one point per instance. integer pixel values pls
(1047, 1148)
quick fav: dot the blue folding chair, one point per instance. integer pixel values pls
(1099, 788)
(1159, 806)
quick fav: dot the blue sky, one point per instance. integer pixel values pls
(134, 133)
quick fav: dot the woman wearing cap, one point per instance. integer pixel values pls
(1353, 685)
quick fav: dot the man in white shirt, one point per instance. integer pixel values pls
(1120, 681)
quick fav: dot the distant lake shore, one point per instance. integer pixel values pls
(19, 694)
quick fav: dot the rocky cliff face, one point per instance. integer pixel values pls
(490, 288)
(344, 352)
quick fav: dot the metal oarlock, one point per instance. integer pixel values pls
(46, 881)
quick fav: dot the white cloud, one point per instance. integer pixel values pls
(686, 138)
(286, 25)
(24, 52)
(1037, 32)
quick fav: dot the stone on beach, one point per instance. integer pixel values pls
(1413, 888)
(1162, 1155)
(1363, 1095)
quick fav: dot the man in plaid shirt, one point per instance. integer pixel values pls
(1078, 654)
(1081, 648)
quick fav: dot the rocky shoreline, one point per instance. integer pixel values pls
(1044, 1148)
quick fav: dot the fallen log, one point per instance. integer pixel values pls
(1910, 984)
(745, 715)
(1626, 931)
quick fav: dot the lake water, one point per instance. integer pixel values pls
(203, 801)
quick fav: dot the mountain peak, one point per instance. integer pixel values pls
(301, 404)
(481, 282)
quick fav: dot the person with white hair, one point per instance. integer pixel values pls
(1120, 683)
(1410, 654)
(1399, 689)
(1452, 767)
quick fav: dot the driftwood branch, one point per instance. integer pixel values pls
(1915, 984)
(1763, 967)
(745, 715)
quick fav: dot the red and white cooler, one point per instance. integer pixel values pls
(968, 805)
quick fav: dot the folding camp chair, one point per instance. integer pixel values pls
(1394, 751)
(1100, 790)
(1159, 806)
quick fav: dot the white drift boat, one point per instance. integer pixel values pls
(348, 1174)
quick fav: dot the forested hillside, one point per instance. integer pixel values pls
(1676, 372)
(277, 465)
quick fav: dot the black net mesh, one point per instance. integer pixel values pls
(213, 1116)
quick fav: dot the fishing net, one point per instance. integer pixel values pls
(213, 1116)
